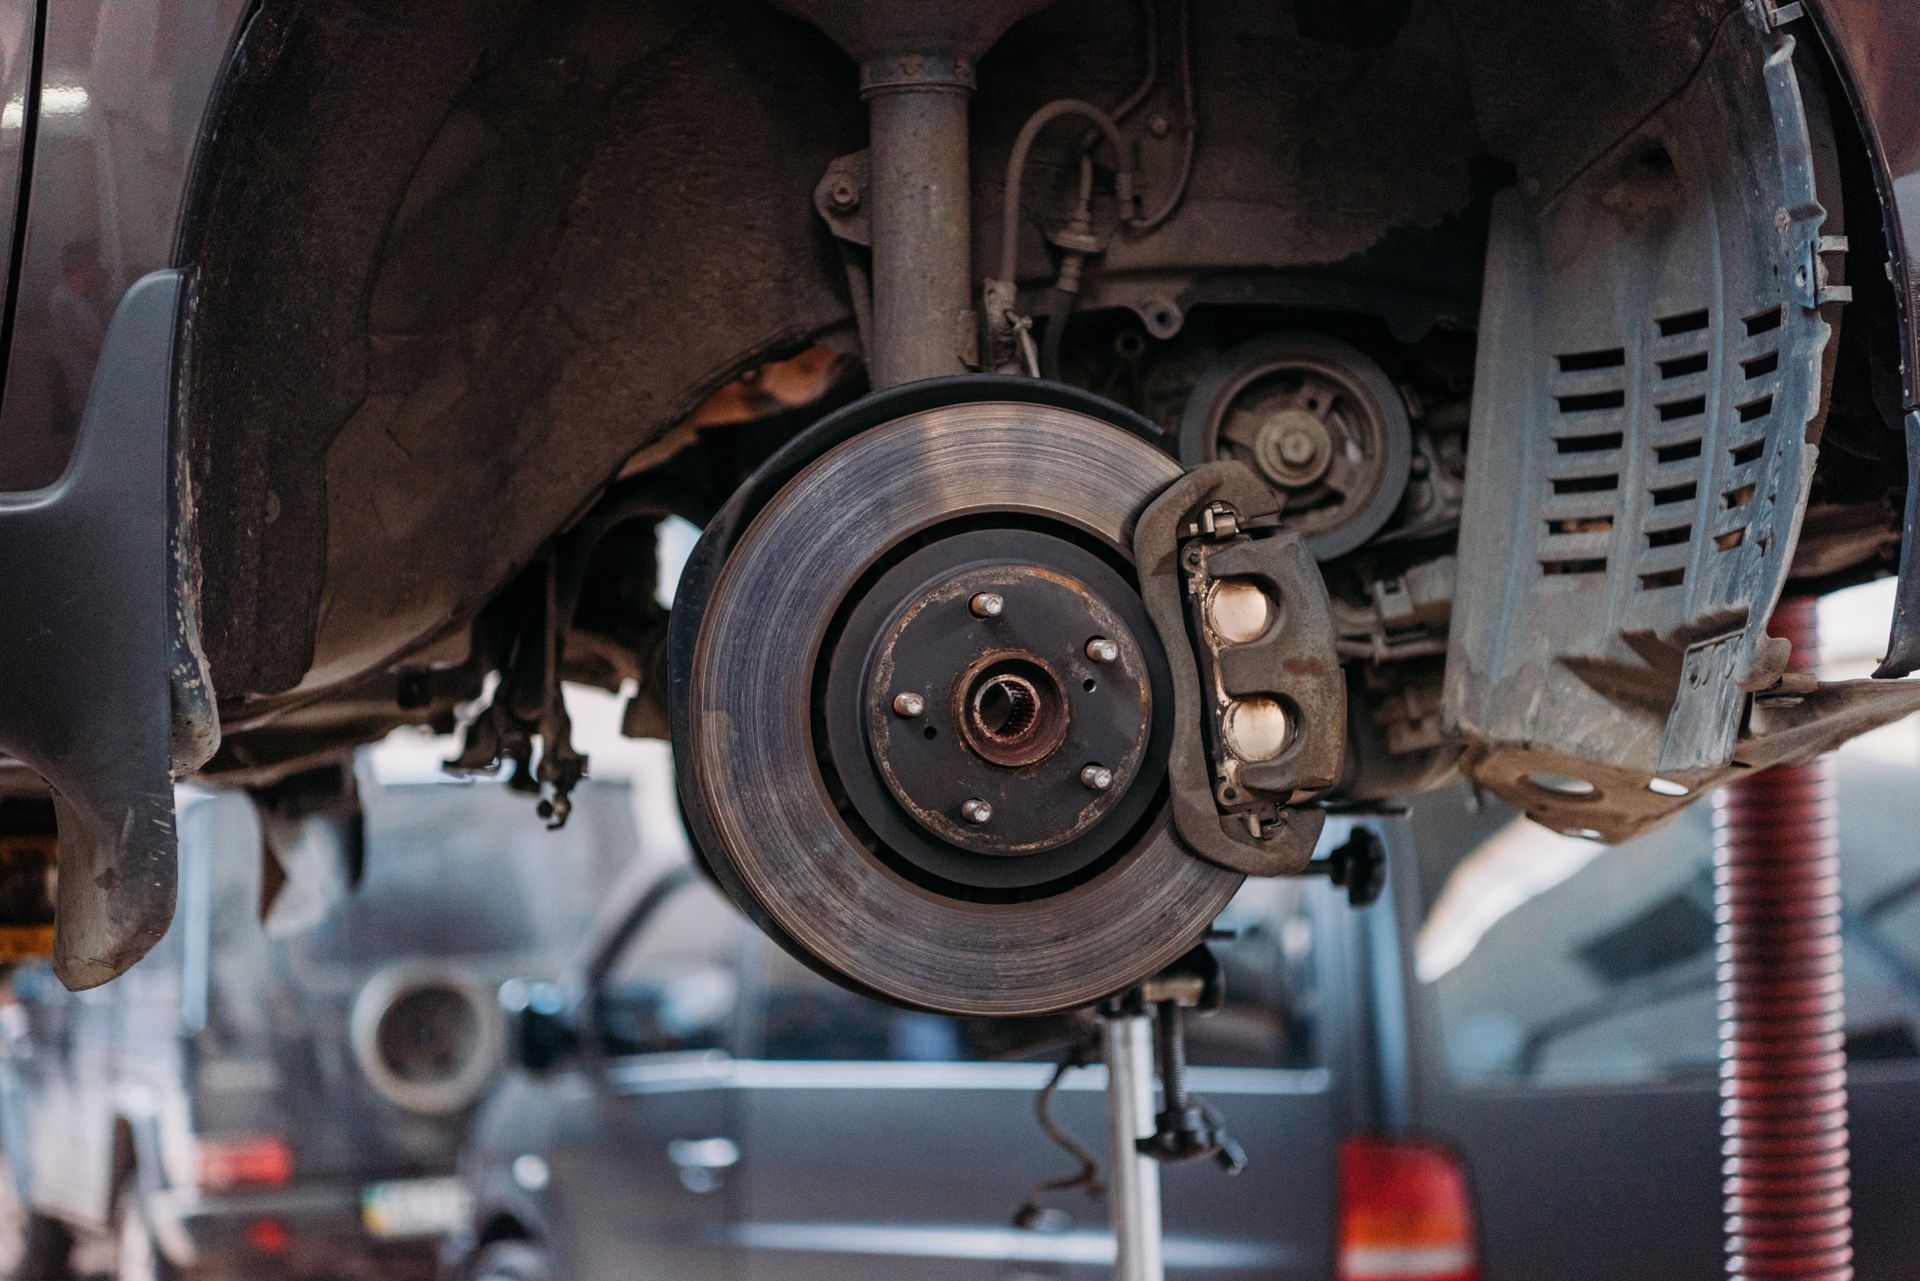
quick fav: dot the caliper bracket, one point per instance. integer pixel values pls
(1259, 699)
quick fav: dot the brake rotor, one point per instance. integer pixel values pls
(1316, 419)
(926, 716)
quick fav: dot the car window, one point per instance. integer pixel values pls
(675, 984)
(1269, 1018)
(1554, 960)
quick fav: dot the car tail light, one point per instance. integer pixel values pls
(248, 1161)
(1405, 1214)
(269, 1236)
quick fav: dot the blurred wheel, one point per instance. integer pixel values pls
(510, 1261)
(427, 1036)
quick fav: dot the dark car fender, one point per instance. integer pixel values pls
(86, 697)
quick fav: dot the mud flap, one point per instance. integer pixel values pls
(86, 640)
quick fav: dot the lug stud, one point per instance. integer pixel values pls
(976, 811)
(908, 704)
(1097, 777)
(1102, 650)
(987, 605)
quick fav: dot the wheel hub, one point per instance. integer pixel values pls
(980, 726)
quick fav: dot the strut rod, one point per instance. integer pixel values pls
(916, 62)
(1783, 1061)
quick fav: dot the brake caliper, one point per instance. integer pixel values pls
(1260, 701)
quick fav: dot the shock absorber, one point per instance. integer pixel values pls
(1783, 1063)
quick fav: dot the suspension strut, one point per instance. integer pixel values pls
(1783, 1063)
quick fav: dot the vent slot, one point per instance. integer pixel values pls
(1662, 578)
(1581, 525)
(1748, 453)
(1691, 407)
(1731, 539)
(1580, 362)
(1755, 409)
(1760, 366)
(1765, 322)
(1586, 484)
(1594, 444)
(1592, 402)
(1669, 537)
(1682, 366)
(1739, 497)
(1688, 322)
(1678, 453)
(1566, 568)
(1675, 494)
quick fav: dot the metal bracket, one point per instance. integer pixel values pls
(1771, 15)
(1244, 616)
(840, 198)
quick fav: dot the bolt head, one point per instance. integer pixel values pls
(1102, 650)
(987, 605)
(845, 197)
(1297, 448)
(1097, 777)
(976, 811)
(908, 704)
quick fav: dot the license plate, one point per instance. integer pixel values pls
(414, 1207)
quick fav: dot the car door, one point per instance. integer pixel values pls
(884, 1143)
(642, 1163)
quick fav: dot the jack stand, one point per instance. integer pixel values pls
(1184, 1129)
(1133, 1182)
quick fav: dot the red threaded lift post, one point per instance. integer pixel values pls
(1783, 1061)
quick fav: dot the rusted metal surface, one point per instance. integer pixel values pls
(774, 841)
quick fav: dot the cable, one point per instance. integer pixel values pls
(1087, 1177)
(1190, 130)
(1017, 168)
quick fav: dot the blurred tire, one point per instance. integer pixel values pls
(46, 1250)
(510, 1261)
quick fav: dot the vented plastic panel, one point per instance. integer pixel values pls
(1649, 362)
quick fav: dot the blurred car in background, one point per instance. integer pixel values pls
(698, 1105)
(285, 1098)
(1565, 1028)
(1507, 1072)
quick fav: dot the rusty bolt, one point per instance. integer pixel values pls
(908, 704)
(1102, 650)
(987, 605)
(976, 811)
(1098, 777)
(843, 196)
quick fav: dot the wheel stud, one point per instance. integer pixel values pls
(987, 605)
(908, 704)
(1097, 777)
(1102, 650)
(976, 811)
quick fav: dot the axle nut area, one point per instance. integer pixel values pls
(1034, 712)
